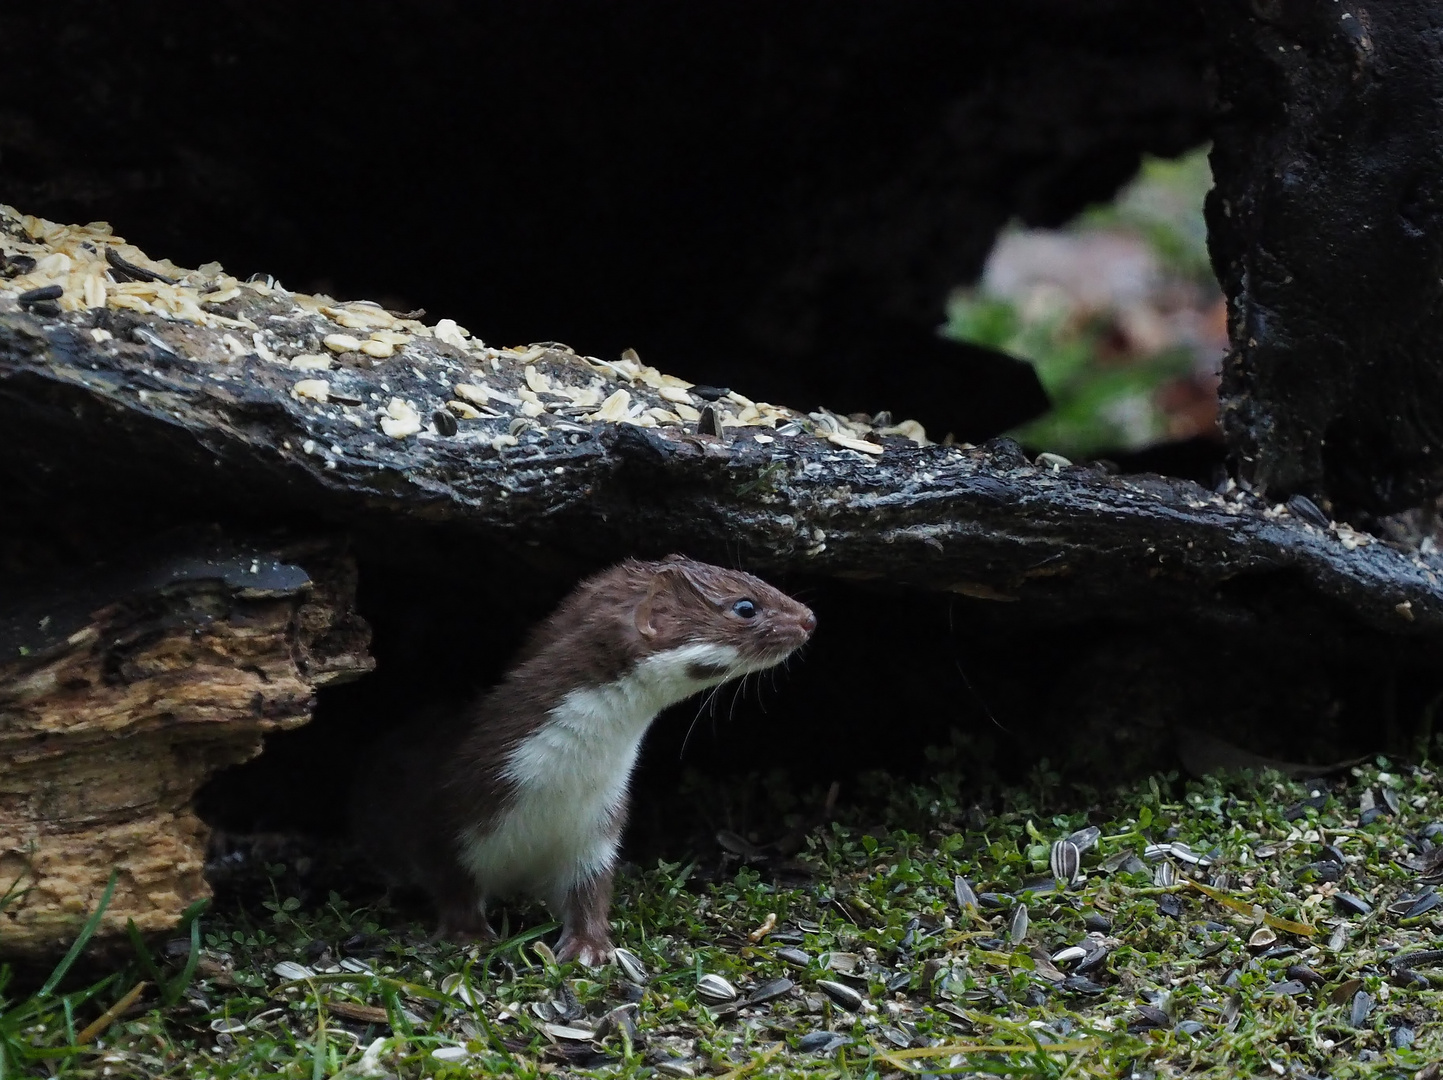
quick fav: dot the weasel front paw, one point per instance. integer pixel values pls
(593, 952)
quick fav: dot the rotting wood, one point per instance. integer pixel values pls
(120, 694)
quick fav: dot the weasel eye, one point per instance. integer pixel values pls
(745, 608)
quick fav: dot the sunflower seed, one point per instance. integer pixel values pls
(821, 1042)
(1289, 988)
(842, 994)
(290, 970)
(1085, 839)
(1425, 902)
(1232, 1011)
(630, 966)
(456, 985)
(1065, 861)
(1390, 800)
(445, 422)
(844, 963)
(1164, 875)
(1414, 959)
(769, 991)
(1093, 961)
(793, 956)
(715, 990)
(1017, 929)
(568, 1033)
(622, 1018)
(1362, 1006)
(709, 424)
(1349, 904)
(1303, 507)
(35, 296)
(1148, 1018)
(1187, 855)
(1069, 955)
(966, 898)
(565, 1004)
(224, 1025)
(896, 1037)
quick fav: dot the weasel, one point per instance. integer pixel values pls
(526, 792)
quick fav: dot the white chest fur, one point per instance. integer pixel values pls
(570, 776)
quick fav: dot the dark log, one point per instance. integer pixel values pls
(199, 404)
(122, 691)
(1326, 228)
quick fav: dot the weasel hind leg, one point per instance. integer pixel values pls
(461, 912)
(585, 929)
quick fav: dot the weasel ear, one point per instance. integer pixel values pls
(668, 577)
(645, 611)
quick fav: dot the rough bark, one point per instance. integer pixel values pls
(1326, 227)
(198, 404)
(122, 692)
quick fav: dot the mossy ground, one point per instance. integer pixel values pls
(1265, 974)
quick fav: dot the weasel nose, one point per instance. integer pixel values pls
(809, 622)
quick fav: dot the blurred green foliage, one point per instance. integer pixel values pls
(1102, 401)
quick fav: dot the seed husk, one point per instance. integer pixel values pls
(1085, 839)
(842, 994)
(1261, 938)
(795, 957)
(821, 1042)
(770, 990)
(1017, 929)
(715, 990)
(630, 966)
(966, 898)
(1349, 904)
(1065, 861)
(1362, 1006)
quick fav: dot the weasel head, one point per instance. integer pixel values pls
(729, 622)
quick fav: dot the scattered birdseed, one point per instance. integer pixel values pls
(715, 989)
(341, 343)
(400, 419)
(315, 389)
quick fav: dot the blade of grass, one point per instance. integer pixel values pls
(109, 1016)
(142, 952)
(175, 989)
(86, 933)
